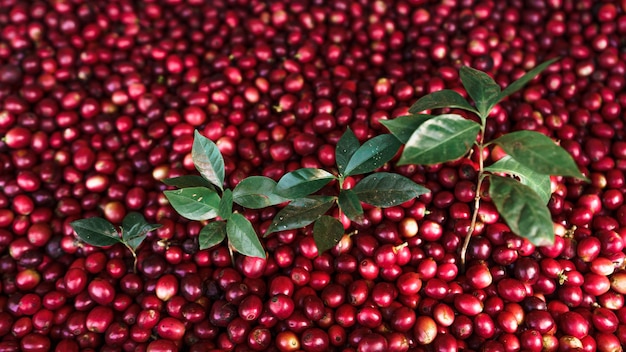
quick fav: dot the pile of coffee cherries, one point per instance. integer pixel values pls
(99, 101)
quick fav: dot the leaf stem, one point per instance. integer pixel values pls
(134, 255)
(481, 176)
(232, 255)
(473, 222)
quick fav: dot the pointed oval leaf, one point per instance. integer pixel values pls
(522, 81)
(539, 153)
(212, 234)
(350, 205)
(194, 203)
(402, 127)
(440, 139)
(134, 224)
(373, 154)
(208, 159)
(327, 232)
(135, 241)
(482, 88)
(133, 218)
(384, 189)
(347, 145)
(539, 183)
(522, 209)
(256, 192)
(300, 213)
(96, 231)
(225, 208)
(446, 98)
(302, 182)
(135, 228)
(187, 181)
(147, 228)
(242, 237)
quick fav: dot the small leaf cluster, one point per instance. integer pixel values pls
(379, 189)
(519, 183)
(205, 198)
(99, 232)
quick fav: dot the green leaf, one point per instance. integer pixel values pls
(350, 205)
(212, 234)
(385, 189)
(208, 159)
(482, 88)
(522, 209)
(96, 231)
(187, 181)
(539, 183)
(135, 242)
(347, 145)
(373, 154)
(302, 182)
(134, 224)
(225, 208)
(132, 219)
(402, 127)
(327, 232)
(242, 237)
(522, 81)
(194, 203)
(440, 139)
(539, 153)
(300, 213)
(135, 229)
(446, 98)
(256, 192)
